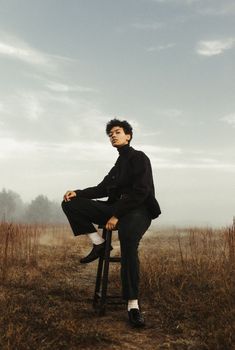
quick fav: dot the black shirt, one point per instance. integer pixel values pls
(129, 184)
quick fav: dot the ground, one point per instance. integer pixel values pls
(46, 303)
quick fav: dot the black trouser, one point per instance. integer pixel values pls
(83, 212)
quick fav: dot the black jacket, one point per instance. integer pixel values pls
(129, 184)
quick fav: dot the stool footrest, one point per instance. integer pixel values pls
(115, 259)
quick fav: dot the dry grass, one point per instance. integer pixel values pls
(191, 282)
(187, 291)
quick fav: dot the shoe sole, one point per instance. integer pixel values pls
(102, 253)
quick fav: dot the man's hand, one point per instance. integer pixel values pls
(68, 195)
(111, 223)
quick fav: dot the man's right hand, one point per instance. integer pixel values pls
(68, 195)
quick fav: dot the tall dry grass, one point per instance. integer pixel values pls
(187, 284)
(189, 278)
(20, 243)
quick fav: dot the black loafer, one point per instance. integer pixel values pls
(135, 318)
(97, 251)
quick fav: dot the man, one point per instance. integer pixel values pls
(130, 207)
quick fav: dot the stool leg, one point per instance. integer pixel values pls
(108, 235)
(98, 282)
(97, 296)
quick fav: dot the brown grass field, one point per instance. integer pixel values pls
(187, 291)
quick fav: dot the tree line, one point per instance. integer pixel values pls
(39, 210)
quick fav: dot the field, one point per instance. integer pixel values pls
(187, 291)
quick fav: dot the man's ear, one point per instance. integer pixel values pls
(128, 137)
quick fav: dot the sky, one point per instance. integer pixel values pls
(167, 66)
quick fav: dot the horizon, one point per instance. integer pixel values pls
(155, 223)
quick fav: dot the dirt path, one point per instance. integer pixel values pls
(115, 322)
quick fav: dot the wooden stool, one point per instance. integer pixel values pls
(100, 299)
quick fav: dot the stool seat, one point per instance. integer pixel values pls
(100, 299)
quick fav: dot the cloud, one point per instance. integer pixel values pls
(204, 7)
(1, 107)
(151, 133)
(214, 47)
(187, 165)
(39, 106)
(23, 53)
(76, 150)
(160, 150)
(17, 49)
(42, 115)
(147, 25)
(229, 119)
(84, 151)
(160, 47)
(221, 9)
(180, 158)
(24, 106)
(172, 113)
(10, 147)
(60, 87)
(188, 159)
(32, 106)
(180, 2)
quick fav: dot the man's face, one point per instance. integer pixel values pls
(117, 137)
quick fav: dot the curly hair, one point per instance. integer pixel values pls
(122, 124)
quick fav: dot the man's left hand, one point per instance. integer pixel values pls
(111, 223)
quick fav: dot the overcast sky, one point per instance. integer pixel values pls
(167, 66)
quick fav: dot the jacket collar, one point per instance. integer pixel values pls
(124, 150)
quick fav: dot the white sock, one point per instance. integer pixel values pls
(132, 304)
(95, 238)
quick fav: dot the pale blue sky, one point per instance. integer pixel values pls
(167, 66)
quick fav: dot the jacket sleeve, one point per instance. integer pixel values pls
(98, 191)
(141, 185)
